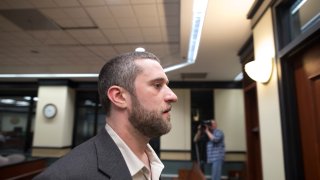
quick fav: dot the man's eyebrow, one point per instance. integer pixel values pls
(160, 79)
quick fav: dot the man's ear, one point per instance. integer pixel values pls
(118, 96)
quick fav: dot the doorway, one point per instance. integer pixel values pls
(307, 85)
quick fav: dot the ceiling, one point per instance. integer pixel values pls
(79, 36)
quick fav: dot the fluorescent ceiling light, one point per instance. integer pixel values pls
(48, 75)
(198, 15)
(239, 77)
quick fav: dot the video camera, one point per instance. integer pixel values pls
(205, 123)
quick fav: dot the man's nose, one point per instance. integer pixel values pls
(171, 96)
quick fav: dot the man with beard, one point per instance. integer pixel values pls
(134, 92)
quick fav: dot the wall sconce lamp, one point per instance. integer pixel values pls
(259, 70)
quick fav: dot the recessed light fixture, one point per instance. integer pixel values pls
(140, 49)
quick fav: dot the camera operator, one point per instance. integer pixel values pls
(215, 146)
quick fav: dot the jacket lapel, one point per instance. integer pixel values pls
(110, 160)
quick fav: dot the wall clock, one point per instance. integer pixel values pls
(50, 111)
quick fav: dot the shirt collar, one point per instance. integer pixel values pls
(133, 162)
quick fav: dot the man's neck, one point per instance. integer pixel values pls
(134, 139)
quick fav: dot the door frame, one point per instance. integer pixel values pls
(292, 150)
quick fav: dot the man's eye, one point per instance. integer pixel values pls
(158, 85)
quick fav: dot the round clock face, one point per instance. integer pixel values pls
(49, 110)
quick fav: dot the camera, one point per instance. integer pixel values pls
(205, 123)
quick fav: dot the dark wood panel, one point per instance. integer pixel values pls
(23, 170)
(254, 167)
(307, 78)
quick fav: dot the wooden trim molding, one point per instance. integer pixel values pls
(56, 82)
(257, 10)
(254, 8)
(49, 152)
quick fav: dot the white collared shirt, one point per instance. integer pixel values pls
(136, 167)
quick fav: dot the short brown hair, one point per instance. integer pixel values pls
(121, 71)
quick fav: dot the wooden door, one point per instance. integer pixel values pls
(254, 167)
(307, 82)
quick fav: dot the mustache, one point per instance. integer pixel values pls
(167, 109)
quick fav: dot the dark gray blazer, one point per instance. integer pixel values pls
(97, 158)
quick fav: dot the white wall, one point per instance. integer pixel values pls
(229, 114)
(179, 136)
(268, 103)
(56, 132)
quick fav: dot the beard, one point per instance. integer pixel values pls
(149, 123)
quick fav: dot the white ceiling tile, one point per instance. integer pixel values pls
(168, 1)
(143, 1)
(149, 22)
(83, 52)
(122, 11)
(131, 32)
(75, 12)
(58, 35)
(169, 21)
(85, 41)
(76, 33)
(39, 35)
(145, 10)
(127, 22)
(113, 2)
(78, 50)
(105, 52)
(133, 35)
(88, 36)
(125, 48)
(67, 3)
(6, 36)
(6, 25)
(83, 22)
(99, 12)
(152, 34)
(4, 5)
(92, 2)
(66, 23)
(44, 3)
(169, 9)
(93, 33)
(171, 31)
(153, 39)
(166, 37)
(158, 49)
(19, 4)
(171, 38)
(21, 36)
(50, 41)
(115, 36)
(151, 31)
(67, 41)
(54, 13)
(32, 42)
(100, 41)
(105, 23)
